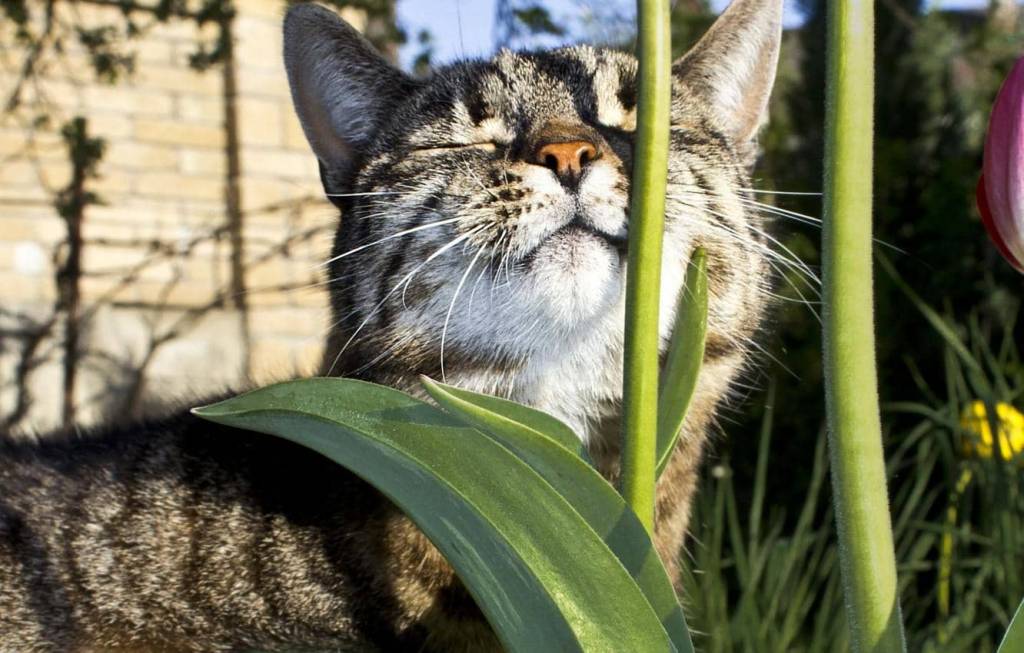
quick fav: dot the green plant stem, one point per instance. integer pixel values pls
(643, 284)
(863, 521)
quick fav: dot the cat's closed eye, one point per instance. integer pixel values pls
(442, 148)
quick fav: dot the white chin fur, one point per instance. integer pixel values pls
(575, 276)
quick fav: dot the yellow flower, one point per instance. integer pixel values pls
(1010, 423)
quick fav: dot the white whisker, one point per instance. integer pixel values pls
(404, 280)
(766, 191)
(451, 306)
(387, 238)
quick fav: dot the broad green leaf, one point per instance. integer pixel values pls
(586, 490)
(541, 576)
(1013, 641)
(486, 411)
(685, 355)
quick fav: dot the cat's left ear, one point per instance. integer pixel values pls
(341, 87)
(732, 68)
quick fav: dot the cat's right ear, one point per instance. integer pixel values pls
(341, 87)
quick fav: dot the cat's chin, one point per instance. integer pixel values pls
(577, 274)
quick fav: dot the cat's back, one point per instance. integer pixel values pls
(176, 531)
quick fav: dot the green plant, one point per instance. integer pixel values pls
(643, 276)
(863, 522)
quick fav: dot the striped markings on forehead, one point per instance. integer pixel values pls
(493, 99)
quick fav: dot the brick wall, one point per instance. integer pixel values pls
(191, 216)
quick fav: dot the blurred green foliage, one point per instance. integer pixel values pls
(938, 73)
(762, 573)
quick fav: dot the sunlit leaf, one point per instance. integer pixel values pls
(542, 577)
(685, 355)
(586, 491)
(1013, 641)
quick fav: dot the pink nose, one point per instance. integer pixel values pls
(566, 159)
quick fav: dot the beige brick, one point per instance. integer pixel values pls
(44, 144)
(95, 229)
(178, 31)
(110, 126)
(91, 14)
(273, 272)
(175, 185)
(294, 137)
(164, 270)
(280, 163)
(202, 218)
(50, 174)
(107, 289)
(153, 49)
(127, 100)
(279, 322)
(111, 184)
(201, 109)
(271, 10)
(260, 298)
(202, 162)
(259, 122)
(55, 92)
(154, 271)
(6, 256)
(271, 360)
(24, 288)
(136, 211)
(24, 195)
(263, 83)
(258, 44)
(258, 194)
(75, 66)
(180, 79)
(100, 258)
(18, 173)
(196, 269)
(141, 156)
(178, 133)
(181, 293)
(309, 299)
(310, 353)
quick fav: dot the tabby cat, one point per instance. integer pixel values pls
(485, 216)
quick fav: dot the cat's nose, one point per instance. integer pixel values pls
(566, 159)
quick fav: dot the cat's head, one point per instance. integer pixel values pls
(485, 209)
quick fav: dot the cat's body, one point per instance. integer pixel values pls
(485, 217)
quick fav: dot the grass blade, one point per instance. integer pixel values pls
(685, 355)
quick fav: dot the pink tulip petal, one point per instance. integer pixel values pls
(1004, 165)
(990, 227)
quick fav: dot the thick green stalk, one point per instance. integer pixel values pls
(643, 289)
(867, 556)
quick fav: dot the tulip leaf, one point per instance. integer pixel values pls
(541, 576)
(685, 355)
(593, 497)
(486, 412)
(1013, 641)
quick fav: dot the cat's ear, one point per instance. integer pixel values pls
(732, 68)
(341, 86)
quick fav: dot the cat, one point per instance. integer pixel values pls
(484, 223)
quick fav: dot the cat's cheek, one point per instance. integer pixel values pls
(574, 277)
(603, 199)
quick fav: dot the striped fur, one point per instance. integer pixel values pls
(457, 256)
